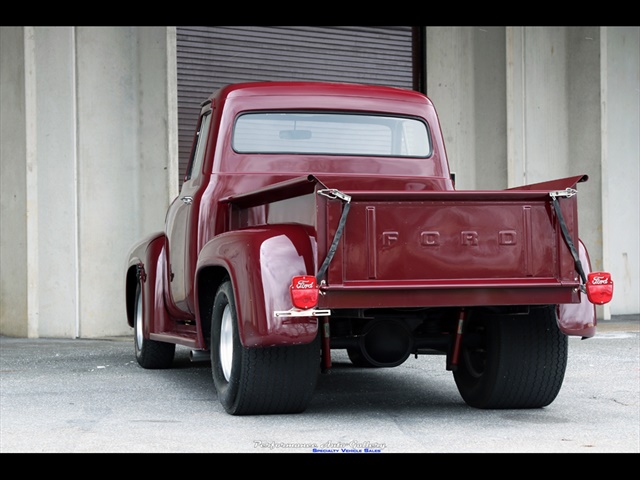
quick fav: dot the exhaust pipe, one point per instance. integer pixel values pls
(199, 356)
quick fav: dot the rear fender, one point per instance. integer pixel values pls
(261, 262)
(579, 318)
(144, 266)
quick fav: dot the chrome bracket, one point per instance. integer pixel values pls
(333, 193)
(294, 312)
(567, 192)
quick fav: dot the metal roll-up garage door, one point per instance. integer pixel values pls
(210, 57)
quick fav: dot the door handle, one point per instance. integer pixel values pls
(187, 200)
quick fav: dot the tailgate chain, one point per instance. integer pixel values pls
(568, 193)
(332, 193)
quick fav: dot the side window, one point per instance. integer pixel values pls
(195, 166)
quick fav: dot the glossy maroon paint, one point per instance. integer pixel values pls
(411, 239)
(261, 262)
(479, 257)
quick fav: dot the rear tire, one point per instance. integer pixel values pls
(149, 353)
(515, 362)
(258, 380)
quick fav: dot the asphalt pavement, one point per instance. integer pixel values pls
(85, 396)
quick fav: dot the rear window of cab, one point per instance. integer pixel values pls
(335, 133)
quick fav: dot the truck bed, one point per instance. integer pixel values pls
(432, 248)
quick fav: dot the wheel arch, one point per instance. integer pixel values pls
(131, 284)
(208, 280)
(260, 263)
(144, 265)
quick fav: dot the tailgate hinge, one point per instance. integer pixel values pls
(332, 193)
(567, 193)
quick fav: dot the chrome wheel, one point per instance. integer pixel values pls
(226, 343)
(149, 353)
(138, 320)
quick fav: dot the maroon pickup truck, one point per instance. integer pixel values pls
(318, 216)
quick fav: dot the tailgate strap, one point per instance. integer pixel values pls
(332, 193)
(569, 192)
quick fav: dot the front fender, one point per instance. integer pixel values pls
(145, 267)
(261, 262)
(579, 318)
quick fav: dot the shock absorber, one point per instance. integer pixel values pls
(326, 345)
(458, 339)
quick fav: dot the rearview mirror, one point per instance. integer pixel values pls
(295, 134)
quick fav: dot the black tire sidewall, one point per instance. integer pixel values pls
(227, 391)
(524, 362)
(149, 353)
(474, 387)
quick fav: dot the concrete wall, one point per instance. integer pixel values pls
(525, 104)
(93, 125)
(89, 150)
(56, 281)
(620, 167)
(466, 79)
(555, 119)
(14, 169)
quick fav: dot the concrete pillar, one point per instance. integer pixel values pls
(449, 85)
(89, 167)
(466, 81)
(16, 174)
(126, 174)
(620, 165)
(56, 270)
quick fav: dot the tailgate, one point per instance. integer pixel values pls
(484, 246)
